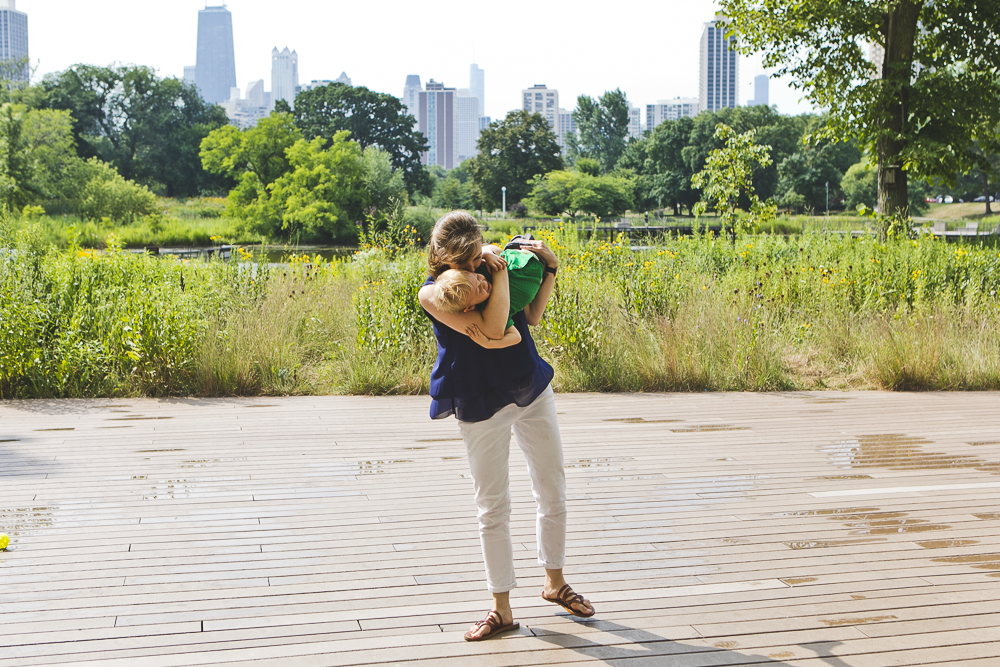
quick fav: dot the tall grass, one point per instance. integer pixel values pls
(691, 314)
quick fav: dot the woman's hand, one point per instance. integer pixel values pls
(542, 251)
(473, 332)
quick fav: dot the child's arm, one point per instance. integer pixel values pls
(510, 337)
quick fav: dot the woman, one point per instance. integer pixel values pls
(492, 391)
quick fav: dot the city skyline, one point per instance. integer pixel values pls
(645, 68)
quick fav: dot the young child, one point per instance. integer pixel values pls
(461, 291)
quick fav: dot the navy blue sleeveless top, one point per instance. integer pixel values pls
(474, 383)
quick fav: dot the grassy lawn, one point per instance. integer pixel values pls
(967, 210)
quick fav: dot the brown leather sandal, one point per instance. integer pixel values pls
(566, 598)
(495, 625)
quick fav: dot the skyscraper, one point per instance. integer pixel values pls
(14, 42)
(760, 96)
(437, 120)
(466, 125)
(215, 67)
(477, 84)
(411, 94)
(284, 75)
(719, 68)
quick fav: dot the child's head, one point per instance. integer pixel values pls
(459, 291)
(455, 241)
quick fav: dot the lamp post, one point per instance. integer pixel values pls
(828, 199)
(503, 190)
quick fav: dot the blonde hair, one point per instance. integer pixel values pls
(455, 239)
(453, 291)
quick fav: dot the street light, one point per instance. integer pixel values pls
(504, 191)
(828, 199)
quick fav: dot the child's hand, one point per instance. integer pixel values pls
(473, 332)
(493, 262)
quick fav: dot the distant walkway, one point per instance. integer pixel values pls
(808, 529)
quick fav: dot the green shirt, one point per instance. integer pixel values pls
(524, 275)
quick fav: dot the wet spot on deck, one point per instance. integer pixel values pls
(897, 451)
(988, 516)
(861, 620)
(828, 544)
(946, 544)
(795, 581)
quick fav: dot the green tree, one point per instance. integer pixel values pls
(48, 140)
(511, 153)
(105, 194)
(807, 171)
(323, 194)
(149, 128)
(384, 183)
(663, 176)
(860, 187)
(920, 110)
(783, 134)
(574, 191)
(17, 173)
(601, 129)
(728, 174)
(373, 119)
(254, 158)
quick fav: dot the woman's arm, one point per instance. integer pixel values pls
(533, 311)
(510, 337)
(492, 320)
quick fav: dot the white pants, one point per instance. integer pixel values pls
(488, 445)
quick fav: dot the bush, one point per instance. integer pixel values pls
(105, 194)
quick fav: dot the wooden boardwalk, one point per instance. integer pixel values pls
(808, 529)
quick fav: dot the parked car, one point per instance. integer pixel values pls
(944, 199)
(982, 198)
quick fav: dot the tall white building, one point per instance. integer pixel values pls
(477, 84)
(411, 94)
(718, 69)
(284, 75)
(438, 122)
(542, 100)
(760, 91)
(467, 130)
(635, 122)
(678, 107)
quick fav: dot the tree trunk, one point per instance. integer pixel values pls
(897, 70)
(986, 190)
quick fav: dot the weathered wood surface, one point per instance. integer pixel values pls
(812, 529)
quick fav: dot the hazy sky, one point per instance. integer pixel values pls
(649, 48)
